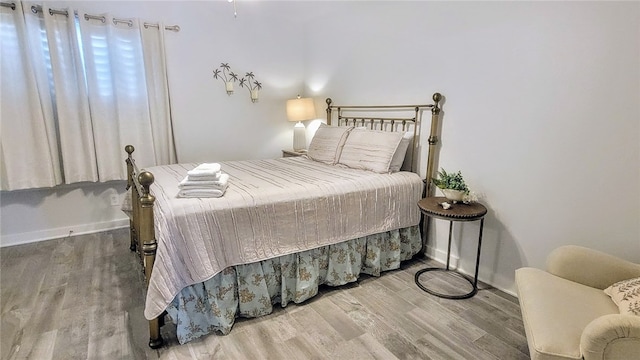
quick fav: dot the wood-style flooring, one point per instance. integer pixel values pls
(82, 297)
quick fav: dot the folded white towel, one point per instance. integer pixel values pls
(205, 177)
(205, 169)
(201, 193)
(219, 184)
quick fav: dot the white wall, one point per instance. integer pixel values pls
(35, 215)
(542, 110)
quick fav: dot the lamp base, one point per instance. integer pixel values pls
(299, 137)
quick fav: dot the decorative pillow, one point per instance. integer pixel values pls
(327, 143)
(626, 294)
(370, 150)
(398, 157)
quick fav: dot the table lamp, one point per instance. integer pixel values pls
(299, 110)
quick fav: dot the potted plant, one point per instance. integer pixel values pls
(452, 185)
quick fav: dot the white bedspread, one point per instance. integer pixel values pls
(271, 208)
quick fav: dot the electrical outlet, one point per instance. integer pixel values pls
(115, 200)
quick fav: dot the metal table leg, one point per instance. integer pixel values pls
(473, 283)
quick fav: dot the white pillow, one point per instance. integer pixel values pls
(398, 157)
(626, 294)
(370, 149)
(327, 143)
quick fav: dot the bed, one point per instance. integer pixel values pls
(284, 226)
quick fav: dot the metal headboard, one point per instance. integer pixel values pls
(404, 118)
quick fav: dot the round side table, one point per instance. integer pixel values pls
(432, 207)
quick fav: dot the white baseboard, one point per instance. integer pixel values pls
(441, 256)
(49, 234)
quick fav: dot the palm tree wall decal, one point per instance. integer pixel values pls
(227, 76)
(252, 85)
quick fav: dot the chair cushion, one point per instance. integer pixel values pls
(555, 311)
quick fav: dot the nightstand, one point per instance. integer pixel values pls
(291, 153)
(457, 212)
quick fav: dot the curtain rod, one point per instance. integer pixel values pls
(9, 5)
(37, 8)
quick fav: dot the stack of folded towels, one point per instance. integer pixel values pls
(206, 180)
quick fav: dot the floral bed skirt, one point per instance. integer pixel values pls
(251, 290)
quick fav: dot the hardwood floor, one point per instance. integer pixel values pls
(82, 298)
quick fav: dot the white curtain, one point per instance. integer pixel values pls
(75, 130)
(115, 75)
(158, 91)
(100, 89)
(28, 145)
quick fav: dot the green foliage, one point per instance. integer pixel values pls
(453, 181)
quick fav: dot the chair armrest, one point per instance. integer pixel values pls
(614, 336)
(590, 267)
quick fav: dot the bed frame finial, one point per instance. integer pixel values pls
(129, 149)
(329, 101)
(146, 179)
(437, 97)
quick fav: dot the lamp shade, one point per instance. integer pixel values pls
(301, 109)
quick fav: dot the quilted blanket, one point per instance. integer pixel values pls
(271, 208)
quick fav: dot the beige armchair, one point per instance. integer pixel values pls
(566, 313)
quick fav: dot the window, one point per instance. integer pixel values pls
(77, 93)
